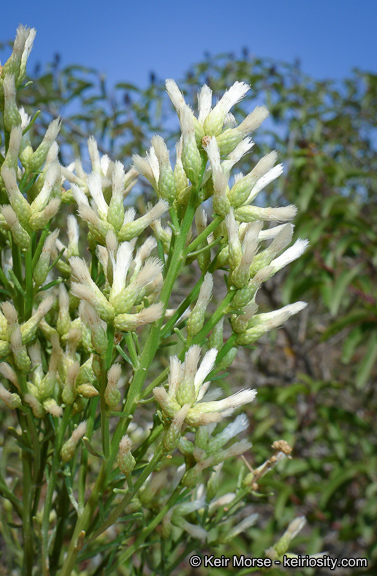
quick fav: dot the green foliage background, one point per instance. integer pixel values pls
(316, 377)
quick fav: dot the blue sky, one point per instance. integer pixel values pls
(126, 40)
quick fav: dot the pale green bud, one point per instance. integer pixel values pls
(41, 269)
(181, 181)
(191, 159)
(47, 386)
(196, 319)
(173, 434)
(35, 406)
(11, 114)
(69, 447)
(252, 213)
(281, 241)
(293, 529)
(235, 249)
(126, 299)
(132, 229)
(87, 390)
(166, 182)
(69, 393)
(26, 53)
(4, 348)
(115, 213)
(126, 461)
(19, 204)
(186, 393)
(216, 336)
(220, 178)
(52, 407)
(240, 323)
(29, 328)
(202, 437)
(12, 401)
(97, 327)
(185, 446)
(262, 323)
(214, 122)
(86, 373)
(39, 156)
(19, 234)
(63, 323)
(112, 394)
(230, 138)
(12, 65)
(169, 405)
(129, 322)
(39, 220)
(192, 477)
(20, 355)
(214, 483)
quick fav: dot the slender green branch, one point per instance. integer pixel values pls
(8, 494)
(51, 487)
(39, 248)
(17, 276)
(116, 512)
(27, 503)
(93, 403)
(203, 235)
(174, 266)
(131, 349)
(28, 282)
(145, 533)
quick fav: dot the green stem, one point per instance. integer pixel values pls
(203, 235)
(27, 503)
(206, 247)
(38, 250)
(84, 454)
(215, 318)
(17, 270)
(187, 301)
(82, 524)
(131, 349)
(51, 487)
(145, 533)
(117, 511)
(230, 343)
(8, 494)
(28, 283)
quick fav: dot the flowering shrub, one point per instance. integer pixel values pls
(103, 476)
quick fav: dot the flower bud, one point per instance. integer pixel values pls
(41, 269)
(181, 181)
(69, 392)
(191, 159)
(214, 122)
(69, 447)
(115, 214)
(132, 229)
(39, 156)
(126, 461)
(9, 399)
(196, 319)
(19, 204)
(19, 234)
(166, 183)
(173, 434)
(11, 114)
(112, 394)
